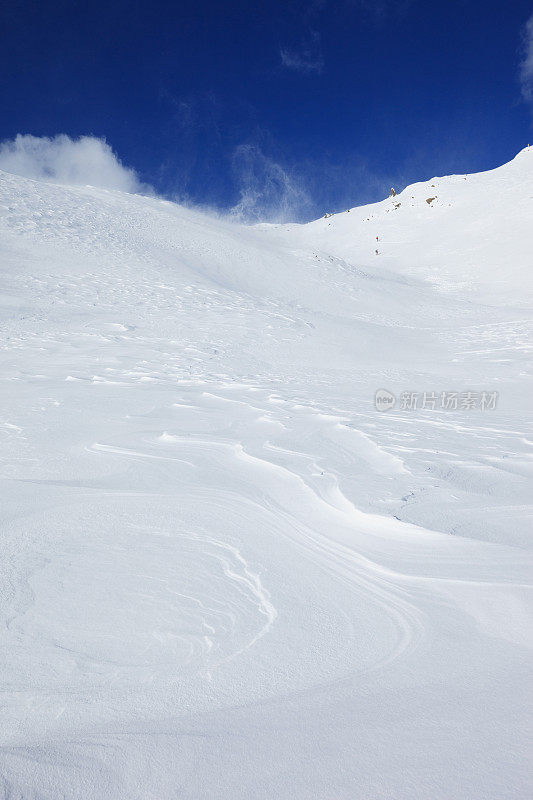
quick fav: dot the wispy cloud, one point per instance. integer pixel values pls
(381, 10)
(307, 58)
(526, 65)
(304, 54)
(60, 159)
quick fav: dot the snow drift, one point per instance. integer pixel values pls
(224, 573)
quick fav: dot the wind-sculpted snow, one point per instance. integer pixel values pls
(223, 572)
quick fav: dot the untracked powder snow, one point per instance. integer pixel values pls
(230, 570)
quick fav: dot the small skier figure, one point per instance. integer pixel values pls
(393, 192)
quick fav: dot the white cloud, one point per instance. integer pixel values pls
(307, 58)
(269, 193)
(60, 159)
(526, 66)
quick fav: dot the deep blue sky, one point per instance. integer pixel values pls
(325, 103)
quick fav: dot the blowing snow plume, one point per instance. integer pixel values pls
(268, 192)
(60, 159)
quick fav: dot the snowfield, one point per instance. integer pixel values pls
(224, 575)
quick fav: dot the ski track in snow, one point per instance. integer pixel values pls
(223, 573)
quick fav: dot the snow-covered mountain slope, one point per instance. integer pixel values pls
(462, 232)
(223, 572)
